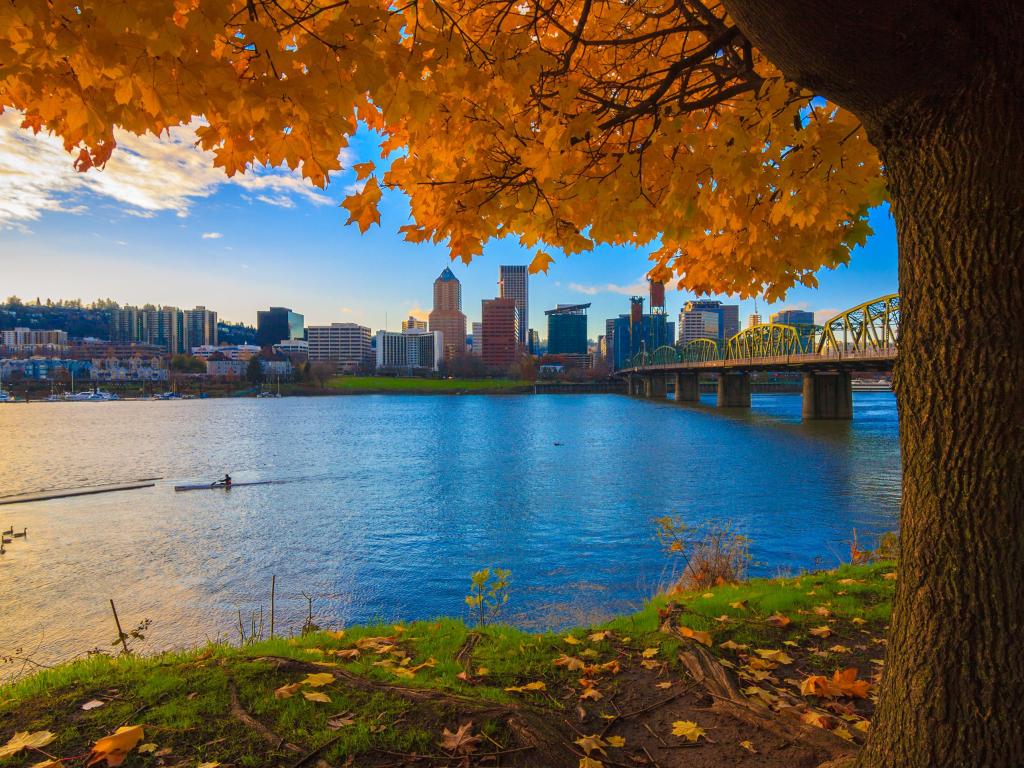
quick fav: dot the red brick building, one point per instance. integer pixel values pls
(501, 332)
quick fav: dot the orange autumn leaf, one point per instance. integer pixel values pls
(362, 206)
(695, 634)
(778, 620)
(541, 262)
(115, 748)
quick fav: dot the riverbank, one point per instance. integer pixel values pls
(770, 672)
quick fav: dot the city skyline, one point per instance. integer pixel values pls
(167, 229)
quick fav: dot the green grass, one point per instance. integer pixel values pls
(413, 385)
(184, 699)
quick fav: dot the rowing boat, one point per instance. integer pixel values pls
(215, 486)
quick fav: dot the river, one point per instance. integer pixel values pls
(393, 501)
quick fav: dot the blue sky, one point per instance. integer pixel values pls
(160, 225)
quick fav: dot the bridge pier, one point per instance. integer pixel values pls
(734, 390)
(655, 386)
(687, 387)
(828, 395)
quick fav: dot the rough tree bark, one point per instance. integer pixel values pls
(940, 88)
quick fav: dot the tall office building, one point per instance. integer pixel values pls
(514, 283)
(163, 327)
(200, 328)
(446, 316)
(501, 332)
(478, 338)
(409, 350)
(278, 324)
(414, 323)
(567, 329)
(347, 345)
(535, 347)
(708, 320)
(753, 319)
(793, 317)
(628, 335)
(657, 296)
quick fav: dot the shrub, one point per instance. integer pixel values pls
(712, 554)
(488, 593)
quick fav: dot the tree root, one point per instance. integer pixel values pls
(719, 683)
(239, 713)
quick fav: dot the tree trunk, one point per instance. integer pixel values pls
(948, 120)
(954, 678)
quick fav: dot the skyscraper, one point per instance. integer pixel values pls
(414, 323)
(200, 328)
(514, 284)
(163, 326)
(627, 335)
(567, 329)
(278, 324)
(793, 317)
(753, 319)
(446, 316)
(478, 338)
(708, 320)
(501, 332)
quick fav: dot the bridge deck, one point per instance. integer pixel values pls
(874, 360)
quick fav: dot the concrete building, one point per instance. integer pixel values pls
(278, 324)
(128, 369)
(234, 352)
(793, 317)
(222, 367)
(29, 340)
(501, 343)
(478, 338)
(446, 317)
(514, 283)
(708, 320)
(414, 323)
(567, 329)
(163, 327)
(347, 345)
(293, 348)
(753, 319)
(413, 349)
(200, 327)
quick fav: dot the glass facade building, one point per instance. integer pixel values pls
(567, 329)
(632, 335)
(278, 324)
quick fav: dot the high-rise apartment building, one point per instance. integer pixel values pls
(446, 316)
(414, 323)
(200, 328)
(567, 329)
(30, 340)
(793, 317)
(163, 327)
(514, 283)
(478, 338)
(347, 345)
(278, 324)
(708, 320)
(501, 332)
(411, 349)
(753, 319)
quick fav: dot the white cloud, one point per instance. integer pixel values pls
(821, 316)
(637, 288)
(146, 175)
(212, 235)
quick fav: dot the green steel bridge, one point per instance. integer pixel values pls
(861, 338)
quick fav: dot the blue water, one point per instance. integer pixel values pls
(393, 501)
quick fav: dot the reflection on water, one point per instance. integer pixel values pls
(393, 501)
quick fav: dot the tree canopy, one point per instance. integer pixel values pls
(564, 125)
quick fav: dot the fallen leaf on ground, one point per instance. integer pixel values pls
(461, 741)
(858, 620)
(839, 649)
(730, 645)
(213, 764)
(337, 634)
(115, 748)
(708, 595)
(94, 704)
(738, 605)
(663, 685)
(778, 620)
(591, 693)
(537, 686)
(687, 729)
(649, 653)
(819, 720)
(316, 696)
(889, 576)
(696, 634)
(343, 720)
(862, 726)
(779, 657)
(847, 682)
(145, 749)
(823, 631)
(598, 637)
(569, 639)
(592, 743)
(348, 653)
(287, 691)
(571, 663)
(589, 762)
(615, 741)
(25, 740)
(749, 746)
(318, 679)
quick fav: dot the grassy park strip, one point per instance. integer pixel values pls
(768, 672)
